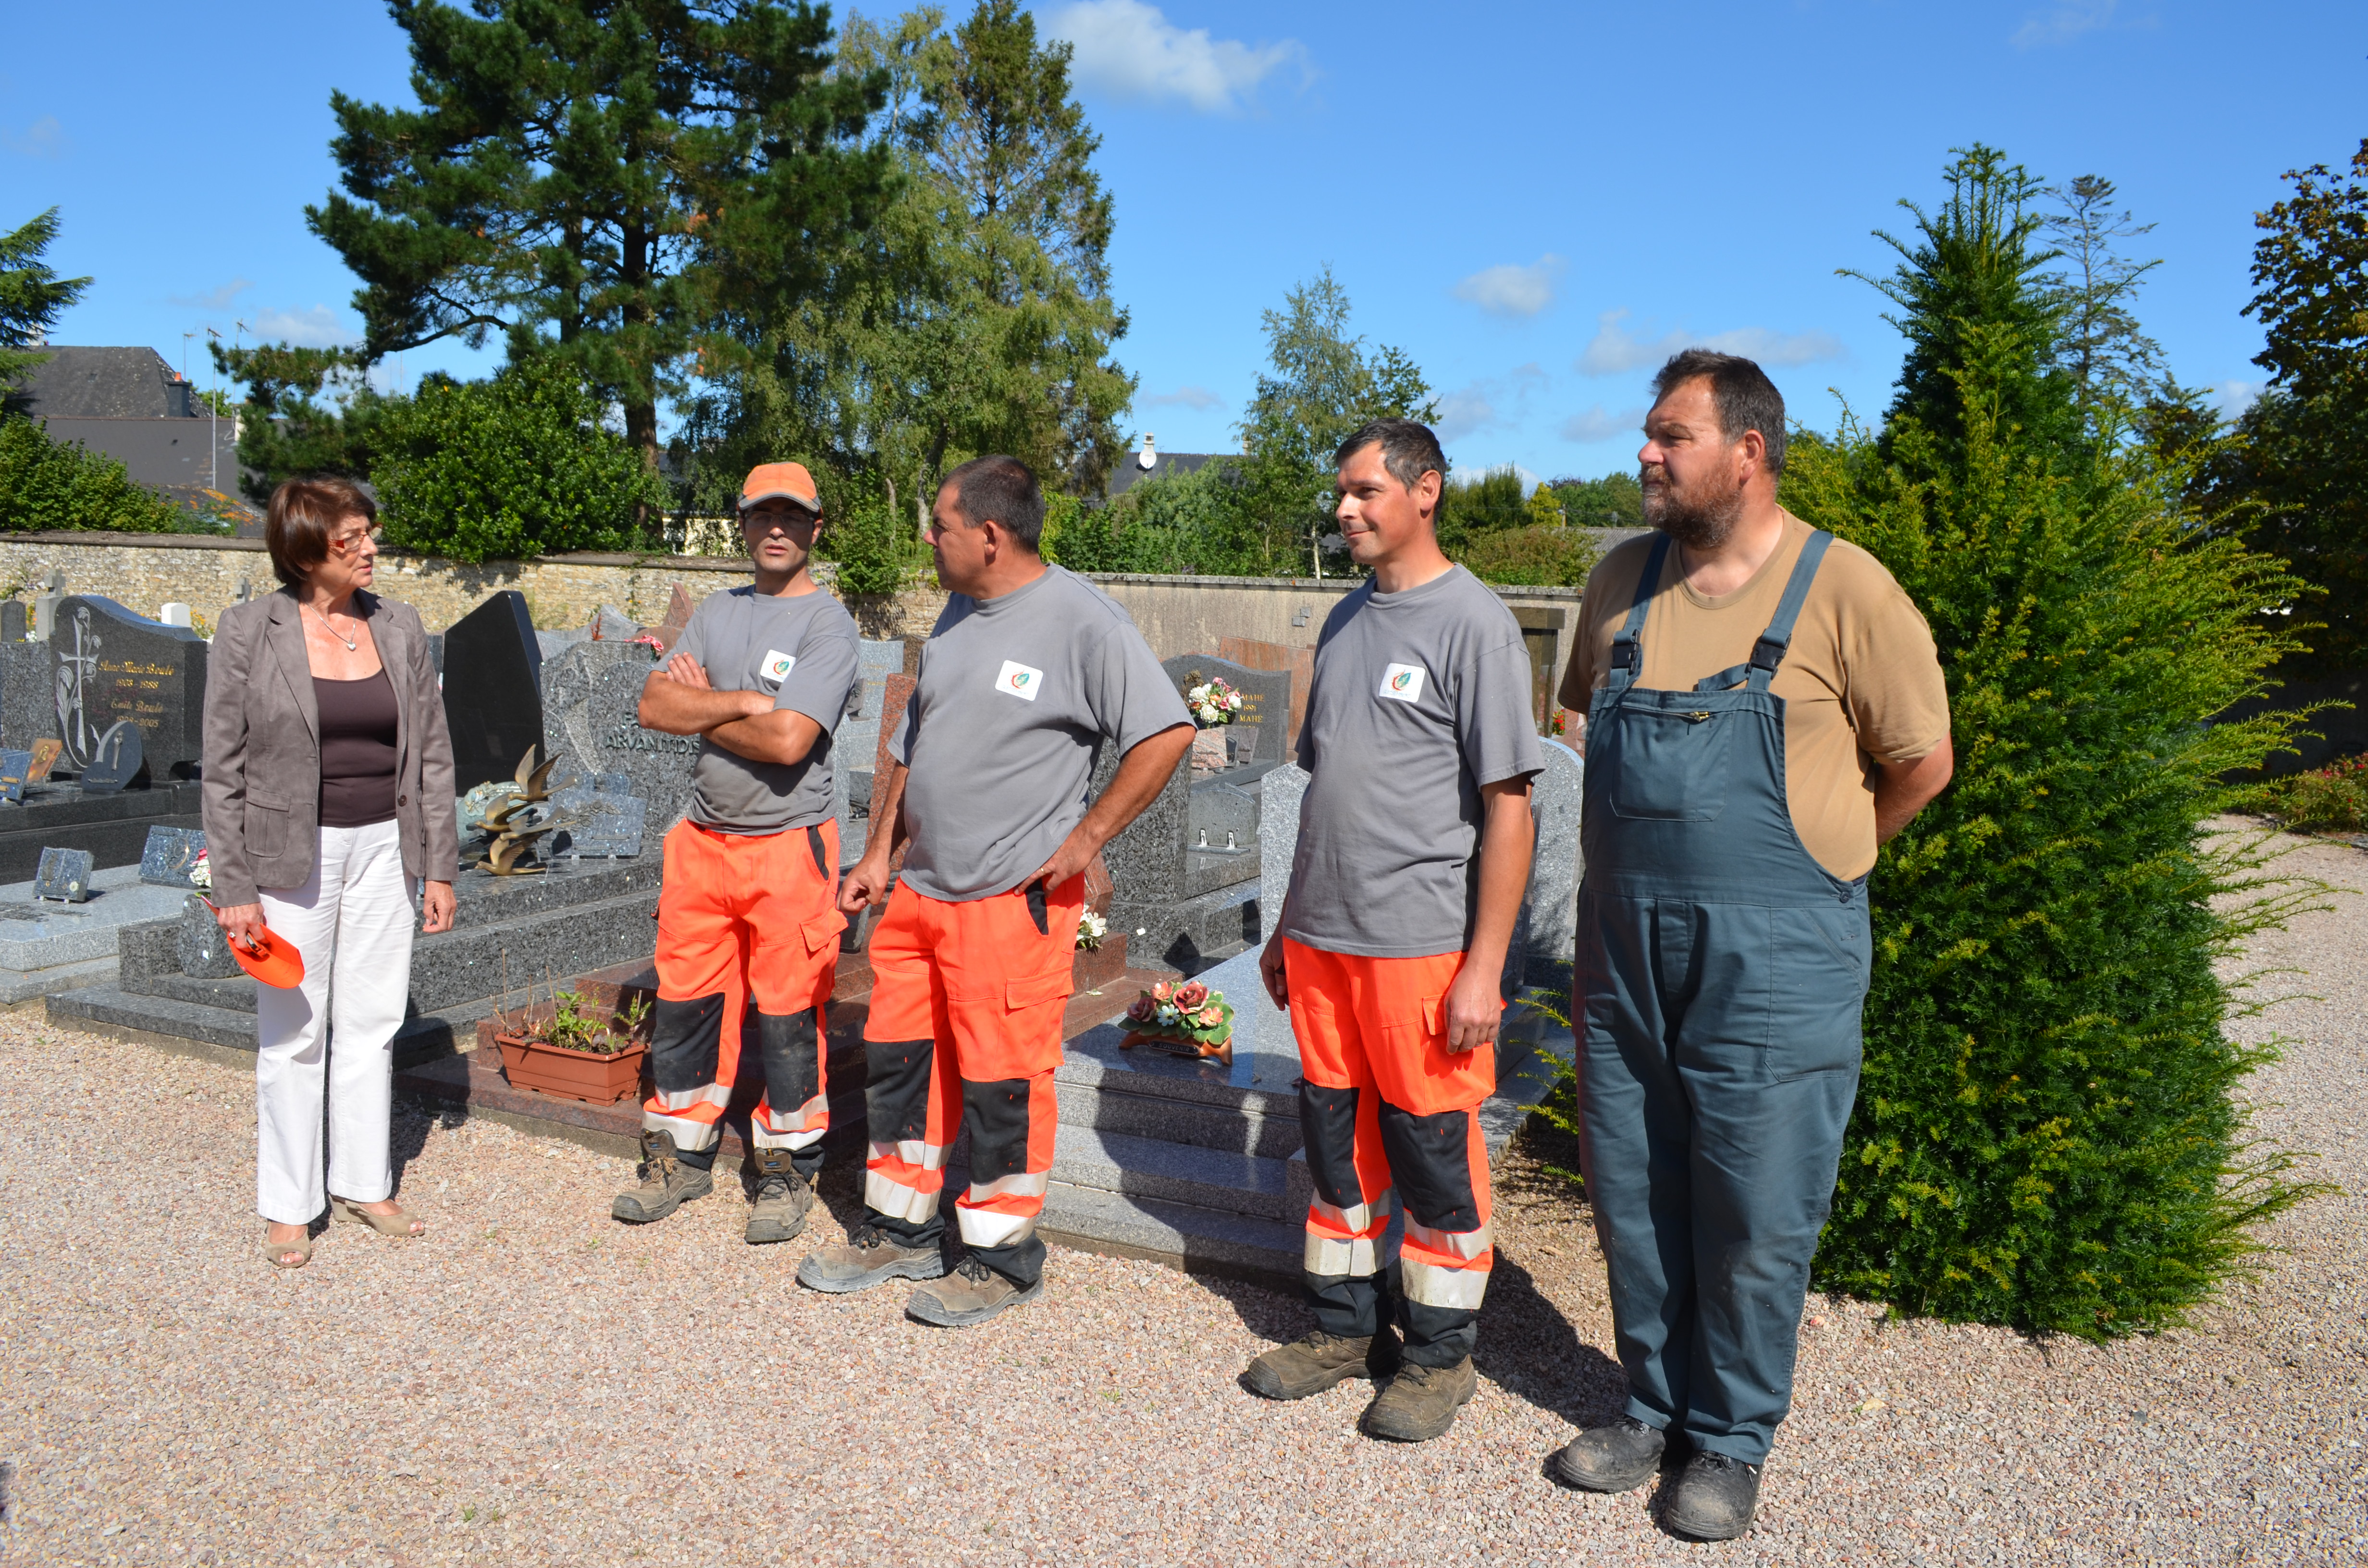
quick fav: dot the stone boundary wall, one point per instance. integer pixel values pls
(1177, 615)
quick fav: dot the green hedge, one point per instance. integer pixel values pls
(44, 484)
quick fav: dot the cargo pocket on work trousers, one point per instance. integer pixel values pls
(1011, 1032)
(1817, 961)
(822, 931)
(1418, 1073)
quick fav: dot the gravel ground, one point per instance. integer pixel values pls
(535, 1384)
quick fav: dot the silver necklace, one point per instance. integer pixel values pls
(352, 646)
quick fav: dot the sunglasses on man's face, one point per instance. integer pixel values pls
(770, 517)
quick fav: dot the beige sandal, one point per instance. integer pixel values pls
(398, 1223)
(274, 1253)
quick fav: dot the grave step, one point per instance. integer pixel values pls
(422, 1038)
(1182, 1235)
(1173, 1173)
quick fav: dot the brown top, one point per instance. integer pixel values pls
(1861, 682)
(357, 718)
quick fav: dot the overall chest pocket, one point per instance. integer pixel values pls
(1668, 763)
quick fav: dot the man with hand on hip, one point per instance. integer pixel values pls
(1028, 671)
(1764, 707)
(748, 911)
(1413, 850)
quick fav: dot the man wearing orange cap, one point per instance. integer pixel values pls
(749, 910)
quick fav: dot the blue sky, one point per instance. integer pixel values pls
(1536, 201)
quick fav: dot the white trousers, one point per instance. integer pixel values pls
(352, 921)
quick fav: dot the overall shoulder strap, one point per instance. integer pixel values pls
(1769, 651)
(1627, 653)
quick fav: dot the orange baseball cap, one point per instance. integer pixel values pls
(789, 482)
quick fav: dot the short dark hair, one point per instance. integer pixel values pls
(297, 524)
(1746, 399)
(997, 489)
(1408, 450)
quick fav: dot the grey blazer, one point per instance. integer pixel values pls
(263, 748)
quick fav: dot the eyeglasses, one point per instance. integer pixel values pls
(351, 544)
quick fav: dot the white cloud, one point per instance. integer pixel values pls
(1477, 406)
(316, 328)
(45, 138)
(1529, 482)
(1615, 349)
(213, 299)
(2234, 397)
(1510, 290)
(1130, 50)
(1199, 399)
(2065, 23)
(1596, 424)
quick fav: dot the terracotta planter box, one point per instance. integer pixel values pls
(571, 1075)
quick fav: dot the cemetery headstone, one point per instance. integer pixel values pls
(1553, 898)
(45, 757)
(1266, 700)
(679, 606)
(1278, 797)
(13, 622)
(16, 771)
(610, 624)
(64, 874)
(591, 702)
(28, 699)
(45, 606)
(111, 666)
(1298, 662)
(605, 821)
(493, 689)
(174, 614)
(170, 853)
(116, 761)
(1148, 864)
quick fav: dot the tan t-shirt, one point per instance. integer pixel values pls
(1861, 682)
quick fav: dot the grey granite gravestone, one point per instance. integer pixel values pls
(610, 624)
(13, 621)
(171, 852)
(592, 697)
(1222, 820)
(111, 667)
(1266, 700)
(14, 768)
(607, 822)
(1278, 797)
(63, 873)
(115, 760)
(1148, 866)
(1553, 899)
(204, 949)
(493, 689)
(28, 699)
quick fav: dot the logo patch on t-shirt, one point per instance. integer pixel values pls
(1401, 683)
(776, 665)
(1017, 679)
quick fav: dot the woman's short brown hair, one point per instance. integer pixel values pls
(302, 514)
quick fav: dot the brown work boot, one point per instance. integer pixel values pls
(1321, 1361)
(867, 1257)
(667, 1183)
(783, 1197)
(1420, 1403)
(1715, 1498)
(971, 1293)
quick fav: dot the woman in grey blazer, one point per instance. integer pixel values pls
(328, 798)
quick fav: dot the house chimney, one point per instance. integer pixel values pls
(1146, 458)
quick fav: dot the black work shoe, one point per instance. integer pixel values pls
(1420, 1402)
(783, 1199)
(1714, 1499)
(1321, 1361)
(971, 1293)
(870, 1256)
(667, 1183)
(1618, 1458)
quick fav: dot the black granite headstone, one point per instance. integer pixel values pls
(109, 667)
(170, 853)
(1266, 700)
(14, 768)
(63, 873)
(493, 689)
(115, 760)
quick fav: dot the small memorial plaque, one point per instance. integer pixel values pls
(45, 757)
(169, 855)
(63, 873)
(115, 760)
(15, 767)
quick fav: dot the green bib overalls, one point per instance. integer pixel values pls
(1720, 976)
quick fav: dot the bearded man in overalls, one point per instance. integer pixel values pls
(1764, 708)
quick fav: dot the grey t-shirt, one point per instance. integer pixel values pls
(801, 649)
(1419, 699)
(1016, 697)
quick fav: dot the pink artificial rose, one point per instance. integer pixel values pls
(1162, 991)
(1190, 994)
(1212, 1017)
(1140, 1010)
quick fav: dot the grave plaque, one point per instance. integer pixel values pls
(1263, 716)
(169, 855)
(16, 772)
(493, 693)
(116, 762)
(45, 757)
(63, 873)
(111, 667)
(592, 697)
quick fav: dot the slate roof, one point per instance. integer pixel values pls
(105, 383)
(1129, 472)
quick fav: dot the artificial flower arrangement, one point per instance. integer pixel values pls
(201, 875)
(1183, 1016)
(1213, 703)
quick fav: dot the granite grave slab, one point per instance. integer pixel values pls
(109, 667)
(592, 697)
(493, 689)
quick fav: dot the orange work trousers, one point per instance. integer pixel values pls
(748, 932)
(965, 1030)
(1391, 1118)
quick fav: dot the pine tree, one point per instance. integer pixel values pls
(32, 297)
